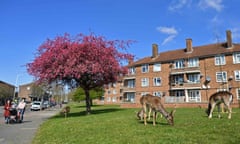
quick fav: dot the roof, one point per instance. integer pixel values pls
(198, 51)
(6, 83)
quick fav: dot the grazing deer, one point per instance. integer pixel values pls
(65, 111)
(218, 98)
(155, 103)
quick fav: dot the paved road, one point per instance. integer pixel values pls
(23, 133)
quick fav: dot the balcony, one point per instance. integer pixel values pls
(129, 89)
(185, 70)
(185, 85)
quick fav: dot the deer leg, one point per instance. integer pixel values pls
(144, 114)
(211, 110)
(154, 117)
(149, 113)
(229, 111)
(219, 116)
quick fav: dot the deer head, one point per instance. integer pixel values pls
(170, 117)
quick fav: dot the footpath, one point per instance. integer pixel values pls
(23, 133)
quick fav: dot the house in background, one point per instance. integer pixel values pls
(6, 91)
(185, 77)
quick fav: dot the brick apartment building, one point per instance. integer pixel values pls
(6, 91)
(184, 77)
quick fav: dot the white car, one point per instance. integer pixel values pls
(36, 105)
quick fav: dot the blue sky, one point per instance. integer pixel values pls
(25, 24)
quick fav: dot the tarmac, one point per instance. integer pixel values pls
(23, 133)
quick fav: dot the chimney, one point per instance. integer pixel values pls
(189, 48)
(154, 50)
(229, 38)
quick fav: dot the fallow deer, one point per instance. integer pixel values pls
(218, 98)
(155, 103)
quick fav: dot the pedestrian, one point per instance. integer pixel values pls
(7, 107)
(21, 107)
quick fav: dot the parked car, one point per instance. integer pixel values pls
(36, 105)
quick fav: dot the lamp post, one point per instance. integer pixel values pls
(16, 87)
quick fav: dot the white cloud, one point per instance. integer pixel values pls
(215, 4)
(170, 31)
(179, 4)
(167, 30)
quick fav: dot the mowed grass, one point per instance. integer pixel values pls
(115, 125)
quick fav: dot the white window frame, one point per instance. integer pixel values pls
(132, 71)
(223, 76)
(220, 60)
(145, 68)
(238, 93)
(157, 81)
(179, 64)
(144, 82)
(131, 83)
(114, 91)
(131, 97)
(194, 95)
(156, 67)
(236, 58)
(194, 78)
(193, 62)
(157, 93)
(237, 75)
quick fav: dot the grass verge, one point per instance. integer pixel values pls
(113, 125)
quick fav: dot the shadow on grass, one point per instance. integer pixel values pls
(93, 112)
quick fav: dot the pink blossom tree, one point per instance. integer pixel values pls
(90, 60)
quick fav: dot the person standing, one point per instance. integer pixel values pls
(21, 107)
(7, 107)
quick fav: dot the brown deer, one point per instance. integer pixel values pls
(218, 98)
(155, 103)
(65, 111)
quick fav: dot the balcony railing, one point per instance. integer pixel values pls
(174, 99)
(186, 70)
(185, 85)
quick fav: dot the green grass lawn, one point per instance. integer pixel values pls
(114, 125)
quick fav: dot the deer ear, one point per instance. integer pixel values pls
(173, 111)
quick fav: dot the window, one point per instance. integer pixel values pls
(159, 94)
(194, 95)
(237, 75)
(221, 76)
(114, 91)
(220, 60)
(131, 70)
(145, 82)
(194, 78)
(108, 99)
(179, 93)
(131, 83)
(156, 81)
(238, 93)
(193, 62)
(236, 58)
(144, 68)
(178, 79)
(130, 97)
(157, 67)
(179, 64)
(114, 99)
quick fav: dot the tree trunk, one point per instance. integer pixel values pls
(88, 102)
